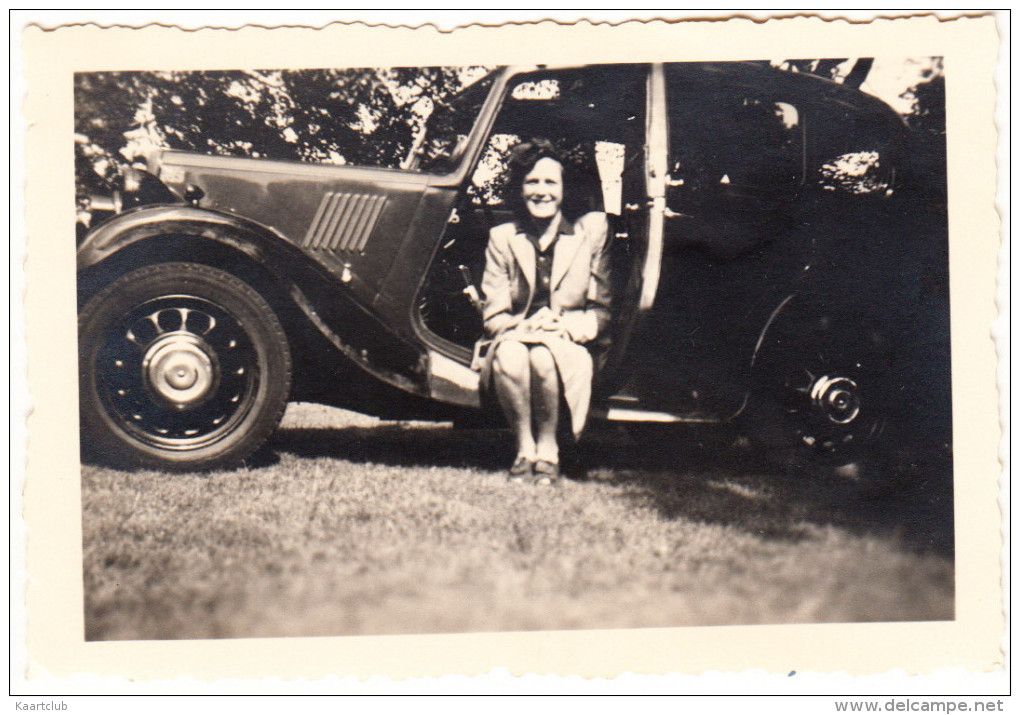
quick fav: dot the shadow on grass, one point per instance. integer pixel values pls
(400, 446)
(698, 475)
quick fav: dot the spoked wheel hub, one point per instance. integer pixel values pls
(829, 414)
(179, 372)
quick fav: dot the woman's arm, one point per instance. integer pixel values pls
(497, 305)
(586, 324)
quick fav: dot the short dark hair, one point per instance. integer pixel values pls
(521, 161)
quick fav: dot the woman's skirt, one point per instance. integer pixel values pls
(575, 368)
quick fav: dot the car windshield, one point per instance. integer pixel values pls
(449, 126)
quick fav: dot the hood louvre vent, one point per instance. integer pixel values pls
(343, 222)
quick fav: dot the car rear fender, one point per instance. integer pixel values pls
(845, 328)
(773, 316)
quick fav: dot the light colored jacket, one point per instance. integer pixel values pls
(579, 289)
(579, 292)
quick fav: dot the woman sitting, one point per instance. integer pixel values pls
(546, 296)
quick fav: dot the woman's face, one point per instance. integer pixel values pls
(542, 189)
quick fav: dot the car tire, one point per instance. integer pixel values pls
(182, 366)
(823, 398)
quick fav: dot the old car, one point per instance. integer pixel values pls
(779, 262)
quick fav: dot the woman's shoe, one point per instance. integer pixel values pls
(546, 473)
(520, 470)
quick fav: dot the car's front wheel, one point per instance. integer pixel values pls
(181, 366)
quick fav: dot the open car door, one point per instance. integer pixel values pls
(644, 228)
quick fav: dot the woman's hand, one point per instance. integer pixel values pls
(544, 319)
(545, 323)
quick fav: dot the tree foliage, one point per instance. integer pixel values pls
(369, 117)
(928, 98)
(363, 116)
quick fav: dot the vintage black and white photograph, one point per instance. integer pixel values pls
(480, 348)
(556, 348)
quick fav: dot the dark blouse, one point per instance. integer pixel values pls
(543, 276)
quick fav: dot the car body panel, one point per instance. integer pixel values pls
(352, 221)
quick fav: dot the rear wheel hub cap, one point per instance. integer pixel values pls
(836, 398)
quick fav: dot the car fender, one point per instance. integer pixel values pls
(260, 243)
(294, 274)
(773, 316)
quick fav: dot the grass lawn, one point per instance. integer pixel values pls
(352, 526)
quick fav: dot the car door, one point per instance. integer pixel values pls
(638, 258)
(734, 151)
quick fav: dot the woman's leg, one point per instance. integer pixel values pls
(511, 371)
(545, 399)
